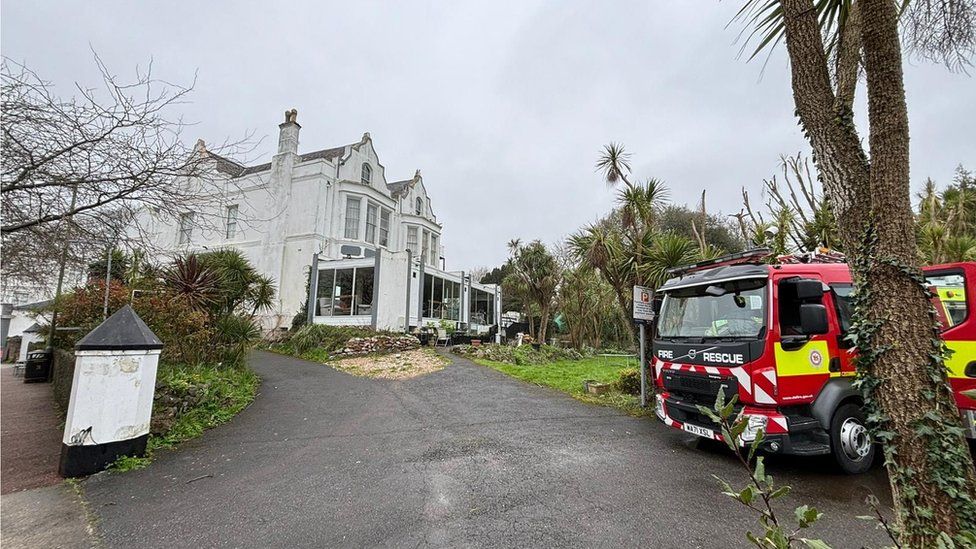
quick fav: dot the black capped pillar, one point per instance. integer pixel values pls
(111, 394)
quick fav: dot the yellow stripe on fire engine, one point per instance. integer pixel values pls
(965, 352)
(812, 358)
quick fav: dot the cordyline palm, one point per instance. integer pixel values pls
(639, 204)
(189, 278)
(614, 164)
(911, 409)
(667, 251)
(960, 248)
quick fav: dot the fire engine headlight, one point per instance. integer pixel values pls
(659, 407)
(753, 426)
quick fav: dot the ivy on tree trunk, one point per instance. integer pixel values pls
(901, 369)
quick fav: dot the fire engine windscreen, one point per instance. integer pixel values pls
(735, 309)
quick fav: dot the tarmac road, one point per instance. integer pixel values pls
(465, 457)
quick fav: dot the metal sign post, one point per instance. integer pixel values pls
(643, 313)
(643, 368)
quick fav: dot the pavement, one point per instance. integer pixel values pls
(52, 517)
(30, 434)
(462, 457)
(37, 509)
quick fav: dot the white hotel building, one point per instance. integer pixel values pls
(373, 246)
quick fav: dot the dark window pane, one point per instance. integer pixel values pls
(452, 300)
(428, 293)
(437, 301)
(342, 300)
(364, 291)
(323, 301)
(842, 301)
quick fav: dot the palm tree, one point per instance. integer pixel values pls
(614, 164)
(536, 275)
(830, 43)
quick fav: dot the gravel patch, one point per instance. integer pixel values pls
(403, 365)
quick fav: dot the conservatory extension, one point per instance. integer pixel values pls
(392, 291)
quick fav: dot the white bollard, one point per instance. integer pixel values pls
(111, 395)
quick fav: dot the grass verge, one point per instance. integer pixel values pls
(205, 396)
(568, 376)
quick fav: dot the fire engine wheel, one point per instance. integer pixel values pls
(849, 440)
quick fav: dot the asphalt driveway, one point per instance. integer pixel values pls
(462, 457)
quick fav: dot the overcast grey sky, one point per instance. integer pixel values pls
(504, 106)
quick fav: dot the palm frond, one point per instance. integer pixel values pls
(614, 163)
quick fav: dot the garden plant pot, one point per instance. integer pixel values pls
(476, 343)
(595, 387)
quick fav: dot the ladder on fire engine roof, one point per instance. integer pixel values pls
(760, 255)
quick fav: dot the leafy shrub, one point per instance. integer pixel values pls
(183, 329)
(629, 381)
(234, 336)
(526, 354)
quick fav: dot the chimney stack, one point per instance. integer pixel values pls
(288, 136)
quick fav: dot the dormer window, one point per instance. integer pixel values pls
(419, 208)
(367, 174)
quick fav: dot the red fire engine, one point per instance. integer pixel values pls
(775, 336)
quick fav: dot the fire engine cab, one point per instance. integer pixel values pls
(775, 335)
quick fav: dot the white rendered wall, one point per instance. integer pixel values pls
(112, 393)
(390, 291)
(292, 210)
(25, 342)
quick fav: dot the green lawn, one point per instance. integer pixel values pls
(568, 375)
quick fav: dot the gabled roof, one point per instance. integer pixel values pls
(236, 169)
(226, 165)
(327, 154)
(400, 188)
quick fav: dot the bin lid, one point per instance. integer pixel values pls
(122, 331)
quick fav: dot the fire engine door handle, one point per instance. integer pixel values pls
(834, 365)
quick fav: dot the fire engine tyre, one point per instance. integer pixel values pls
(849, 440)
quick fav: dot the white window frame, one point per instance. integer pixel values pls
(230, 228)
(185, 231)
(372, 221)
(419, 206)
(366, 174)
(352, 222)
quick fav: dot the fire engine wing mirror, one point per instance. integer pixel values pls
(813, 319)
(807, 289)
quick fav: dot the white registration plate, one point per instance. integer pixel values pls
(696, 430)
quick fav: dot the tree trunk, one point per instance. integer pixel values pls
(929, 465)
(543, 324)
(624, 299)
(912, 390)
